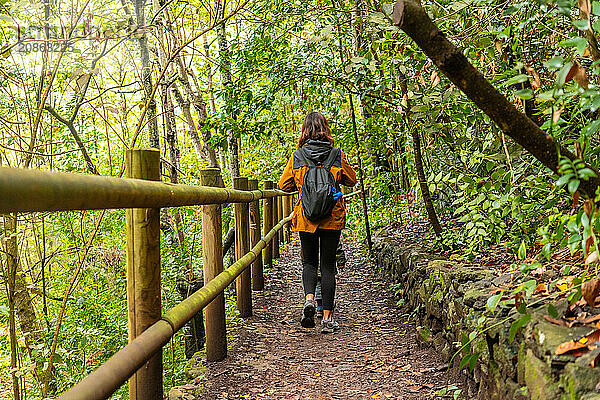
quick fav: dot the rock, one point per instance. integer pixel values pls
(578, 379)
(506, 278)
(175, 394)
(538, 377)
(449, 298)
(548, 336)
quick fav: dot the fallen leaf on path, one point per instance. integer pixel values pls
(590, 290)
(592, 258)
(581, 346)
(555, 321)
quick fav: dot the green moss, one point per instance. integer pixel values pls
(538, 378)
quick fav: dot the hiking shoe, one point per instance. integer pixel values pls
(329, 326)
(319, 311)
(308, 314)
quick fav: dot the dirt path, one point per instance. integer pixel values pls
(373, 356)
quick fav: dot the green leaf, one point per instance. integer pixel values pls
(586, 173)
(561, 76)
(524, 94)
(473, 361)
(518, 324)
(577, 42)
(516, 79)
(552, 311)
(573, 185)
(546, 251)
(582, 24)
(493, 301)
(564, 179)
(554, 63)
(522, 253)
(596, 8)
(465, 361)
(591, 128)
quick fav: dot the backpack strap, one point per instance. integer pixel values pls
(331, 159)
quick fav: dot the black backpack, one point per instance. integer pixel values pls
(318, 187)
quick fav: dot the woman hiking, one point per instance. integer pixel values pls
(318, 218)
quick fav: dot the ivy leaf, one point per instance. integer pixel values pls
(561, 76)
(525, 94)
(573, 185)
(493, 301)
(577, 42)
(552, 311)
(518, 324)
(516, 79)
(582, 24)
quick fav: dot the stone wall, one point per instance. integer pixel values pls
(449, 299)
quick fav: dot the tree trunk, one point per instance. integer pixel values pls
(146, 74)
(22, 301)
(10, 274)
(225, 70)
(433, 219)
(423, 183)
(412, 19)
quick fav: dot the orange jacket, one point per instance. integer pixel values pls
(292, 178)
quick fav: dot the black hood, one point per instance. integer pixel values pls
(317, 150)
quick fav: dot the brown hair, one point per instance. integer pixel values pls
(315, 127)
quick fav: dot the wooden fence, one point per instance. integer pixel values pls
(24, 190)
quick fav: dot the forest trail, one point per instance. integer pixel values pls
(373, 355)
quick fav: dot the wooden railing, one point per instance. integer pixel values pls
(149, 330)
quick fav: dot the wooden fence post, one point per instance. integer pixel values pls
(143, 274)
(258, 281)
(275, 222)
(286, 212)
(268, 224)
(280, 208)
(242, 246)
(212, 259)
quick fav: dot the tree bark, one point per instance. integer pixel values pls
(433, 219)
(225, 70)
(22, 301)
(414, 21)
(146, 73)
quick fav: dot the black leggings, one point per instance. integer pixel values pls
(325, 240)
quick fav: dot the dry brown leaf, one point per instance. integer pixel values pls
(555, 321)
(592, 258)
(576, 196)
(542, 287)
(588, 243)
(556, 115)
(536, 82)
(499, 46)
(435, 79)
(589, 320)
(581, 77)
(590, 290)
(569, 347)
(587, 207)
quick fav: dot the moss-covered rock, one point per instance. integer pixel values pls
(449, 300)
(539, 379)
